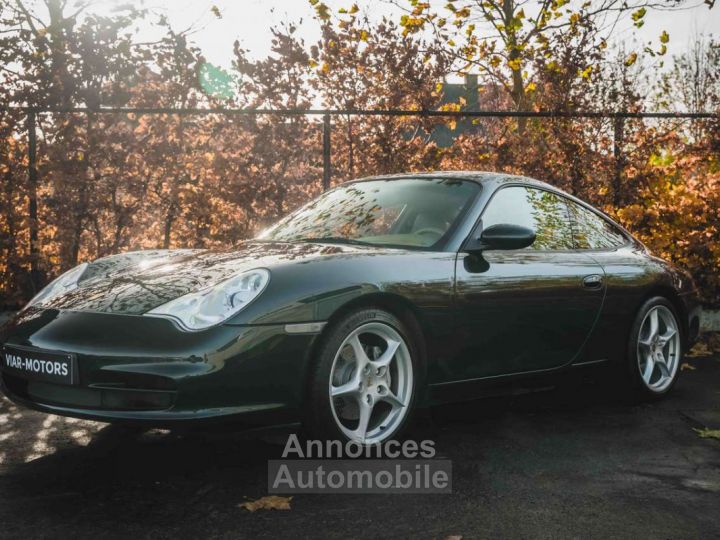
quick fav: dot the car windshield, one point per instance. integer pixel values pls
(408, 212)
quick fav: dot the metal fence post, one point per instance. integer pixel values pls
(618, 143)
(326, 152)
(32, 199)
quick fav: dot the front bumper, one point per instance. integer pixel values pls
(145, 369)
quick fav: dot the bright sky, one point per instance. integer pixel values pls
(249, 20)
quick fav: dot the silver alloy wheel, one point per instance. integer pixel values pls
(371, 383)
(658, 349)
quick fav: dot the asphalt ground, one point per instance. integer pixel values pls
(580, 461)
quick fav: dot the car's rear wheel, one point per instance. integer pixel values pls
(655, 349)
(363, 385)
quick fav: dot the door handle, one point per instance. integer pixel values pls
(593, 281)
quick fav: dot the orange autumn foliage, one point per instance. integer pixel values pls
(120, 182)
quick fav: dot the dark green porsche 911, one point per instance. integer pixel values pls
(380, 296)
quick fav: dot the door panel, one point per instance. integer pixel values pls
(523, 310)
(530, 309)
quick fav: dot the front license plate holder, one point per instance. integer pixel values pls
(35, 364)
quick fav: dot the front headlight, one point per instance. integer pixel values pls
(66, 282)
(216, 304)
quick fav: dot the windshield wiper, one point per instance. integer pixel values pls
(335, 240)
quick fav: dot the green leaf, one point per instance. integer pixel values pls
(639, 14)
(637, 17)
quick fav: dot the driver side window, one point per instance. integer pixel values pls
(537, 209)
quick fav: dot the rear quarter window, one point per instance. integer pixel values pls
(590, 231)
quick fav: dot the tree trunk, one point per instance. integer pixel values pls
(35, 278)
(169, 220)
(518, 84)
(174, 205)
(10, 247)
(84, 199)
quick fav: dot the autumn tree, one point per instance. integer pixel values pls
(507, 40)
(279, 164)
(359, 65)
(59, 62)
(111, 182)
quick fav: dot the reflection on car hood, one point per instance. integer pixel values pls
(133, 283)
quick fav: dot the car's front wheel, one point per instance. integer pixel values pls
(655, 349)
(363, 384)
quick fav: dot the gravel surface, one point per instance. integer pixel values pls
(579, 462)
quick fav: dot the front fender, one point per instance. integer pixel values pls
(312, 291)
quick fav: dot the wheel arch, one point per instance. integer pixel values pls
(397, 305)
(672, 296)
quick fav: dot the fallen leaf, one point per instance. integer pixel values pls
(687, 366)
(700, 349)
(707, 433)
(272, 502)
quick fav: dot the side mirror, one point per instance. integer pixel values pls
(501, 236)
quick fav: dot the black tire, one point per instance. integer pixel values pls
(319, 421)
(635, 383)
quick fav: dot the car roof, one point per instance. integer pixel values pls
(480, 177)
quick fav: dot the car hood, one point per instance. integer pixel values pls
(134, 283)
